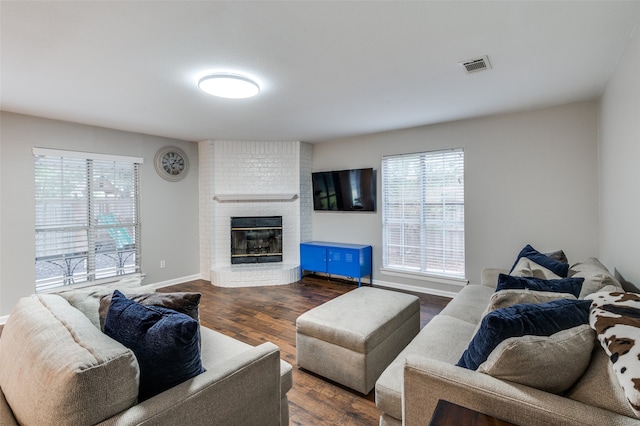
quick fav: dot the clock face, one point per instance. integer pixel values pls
(171, 163)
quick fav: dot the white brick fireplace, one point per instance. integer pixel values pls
(253, 179)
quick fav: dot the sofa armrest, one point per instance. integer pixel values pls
(426, 381)
(242, 390)
(489, 276)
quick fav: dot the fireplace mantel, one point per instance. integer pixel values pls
(245, 198)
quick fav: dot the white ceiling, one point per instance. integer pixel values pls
(327, 69)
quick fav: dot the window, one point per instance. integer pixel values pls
(423, 213)
(87, 217)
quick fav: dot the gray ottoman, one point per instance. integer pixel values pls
(354, 337)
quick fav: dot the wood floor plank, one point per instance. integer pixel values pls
(268, 314)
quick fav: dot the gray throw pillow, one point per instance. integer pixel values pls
(596, 277)
(508, 297)
(562, 357)
(558, 255)
(528, 268)
(183, 302)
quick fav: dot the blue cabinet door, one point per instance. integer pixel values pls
(343, 262)
(313, 258)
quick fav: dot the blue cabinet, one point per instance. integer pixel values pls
(351, 260)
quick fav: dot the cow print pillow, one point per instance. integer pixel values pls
(616, 319)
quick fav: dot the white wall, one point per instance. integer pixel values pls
(620, 166)
(169, 210)
(530, 177)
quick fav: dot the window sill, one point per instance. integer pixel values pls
(461, 282)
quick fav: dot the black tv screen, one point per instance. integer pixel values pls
(345, 190)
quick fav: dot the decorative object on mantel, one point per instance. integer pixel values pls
(239, 198)
(171, 163)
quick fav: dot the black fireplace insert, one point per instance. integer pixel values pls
(256, 239)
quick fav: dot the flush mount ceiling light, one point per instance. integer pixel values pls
(229, 86)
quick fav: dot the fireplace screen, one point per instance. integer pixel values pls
(256, 239)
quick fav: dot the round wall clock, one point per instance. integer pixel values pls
(171, 163)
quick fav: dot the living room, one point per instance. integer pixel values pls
(553, 175)
(555, 170)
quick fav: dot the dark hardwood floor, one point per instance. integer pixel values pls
(259, 314)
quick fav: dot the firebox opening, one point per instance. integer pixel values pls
(256, 239)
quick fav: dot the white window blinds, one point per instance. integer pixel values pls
(87, 217)
(423, 213)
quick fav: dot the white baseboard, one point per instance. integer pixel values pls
(174, 281)
(413, 288)
(3, 319)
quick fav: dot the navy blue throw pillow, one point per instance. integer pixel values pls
(559, 268)
(166, 343)
(563, 285)
(543, 319)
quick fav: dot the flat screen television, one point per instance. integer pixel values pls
(345, 190)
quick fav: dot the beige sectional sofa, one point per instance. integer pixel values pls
(58, 368)
(424, 372)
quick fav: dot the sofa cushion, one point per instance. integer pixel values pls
(57, 366)
(558, 268)
(563, 285)
(505, 298)
(469, 304)
(165, 342)
(616, 319)
(184, 302)
(599, 386)
(542, 319)
(87, 299)
(217, 348)
(596, 277)
(443, 338)
(563, 357)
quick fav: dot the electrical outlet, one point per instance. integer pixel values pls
(162, 264)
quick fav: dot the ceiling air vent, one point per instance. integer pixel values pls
(475, 65)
